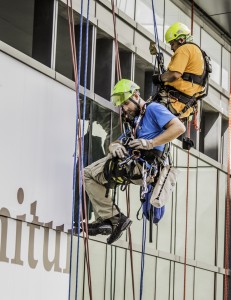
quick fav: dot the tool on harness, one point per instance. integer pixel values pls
(131, 158)
(187, 143)
(159, 56)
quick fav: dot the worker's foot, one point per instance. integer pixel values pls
(120, 223)
(100, 226)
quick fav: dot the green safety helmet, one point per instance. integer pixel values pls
(176, 30)
(122, 91)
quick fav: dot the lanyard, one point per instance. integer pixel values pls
(142, 112)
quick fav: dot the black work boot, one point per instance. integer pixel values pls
(120, 223)
(100, 226)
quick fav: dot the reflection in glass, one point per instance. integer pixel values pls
(64, 63)
(225, 69)
(101, 125)
(174, 14)
(144, 15)
(116, 131)
(127, 6)
(213, 49)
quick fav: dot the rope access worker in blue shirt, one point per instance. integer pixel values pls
(153, 126)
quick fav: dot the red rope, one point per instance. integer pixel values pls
(227, 215)
(130, 241)
(117, 58)
(80, 167)
(187, 184)
(186, 216)
(192, 16)
(119, 77)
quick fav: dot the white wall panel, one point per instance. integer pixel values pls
(34, 277)
(206, 215)
(37, 129)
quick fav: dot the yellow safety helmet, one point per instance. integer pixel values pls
(122, 91)
(176, 30)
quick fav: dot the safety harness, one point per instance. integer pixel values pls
(120, 172)
(173, 95)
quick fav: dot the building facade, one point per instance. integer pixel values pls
(38, 127)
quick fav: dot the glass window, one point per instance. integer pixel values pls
(203, 284)
(210, 132)
(64, 63)
(162, 284)
(103, 65)
(174, 14)
(116, 131)
(213, 49)
(101, 128)
(221, 210)
(127, 6)
(206, 215)
(16, 24)
(125, 64)
(27, 26)
(144, 15)
(225, 83)
(179, 279)
(143, 77)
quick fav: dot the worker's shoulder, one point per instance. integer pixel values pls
(156, 107)
(189, 47)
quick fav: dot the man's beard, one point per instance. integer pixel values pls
(130, 115)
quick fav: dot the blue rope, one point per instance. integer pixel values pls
(142, 256)
(81, 158)
(156, 37)
(73, 185)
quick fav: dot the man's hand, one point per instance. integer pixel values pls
(117, 150)
(156, 79)
(141, 144)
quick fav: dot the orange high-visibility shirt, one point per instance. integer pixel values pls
(187, 58)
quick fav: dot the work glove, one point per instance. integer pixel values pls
(156, 79)
(118, 150)
(141, 144)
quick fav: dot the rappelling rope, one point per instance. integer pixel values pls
(142, 256)
(187, 183)
(227, 215)
(119, 77)
(78, 142)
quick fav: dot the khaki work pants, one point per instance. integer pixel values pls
(94, 186)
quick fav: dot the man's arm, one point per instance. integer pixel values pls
(168, 76)
(174, 128)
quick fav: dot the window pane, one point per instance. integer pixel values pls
(27, 26)
(101, 128)
(206, 215)
(16, 24)
(144, 8)
(174, 14)
(63, 47)
(213, 49)
(103, 65)
(225, 69)
(127, 6)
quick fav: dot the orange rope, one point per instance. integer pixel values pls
(186, 216)
(227, 217)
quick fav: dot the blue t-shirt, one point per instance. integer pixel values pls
(153, 122)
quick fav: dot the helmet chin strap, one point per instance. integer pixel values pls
(136, 103)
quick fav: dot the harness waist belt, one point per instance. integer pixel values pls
(179, 95)
(149, 155)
